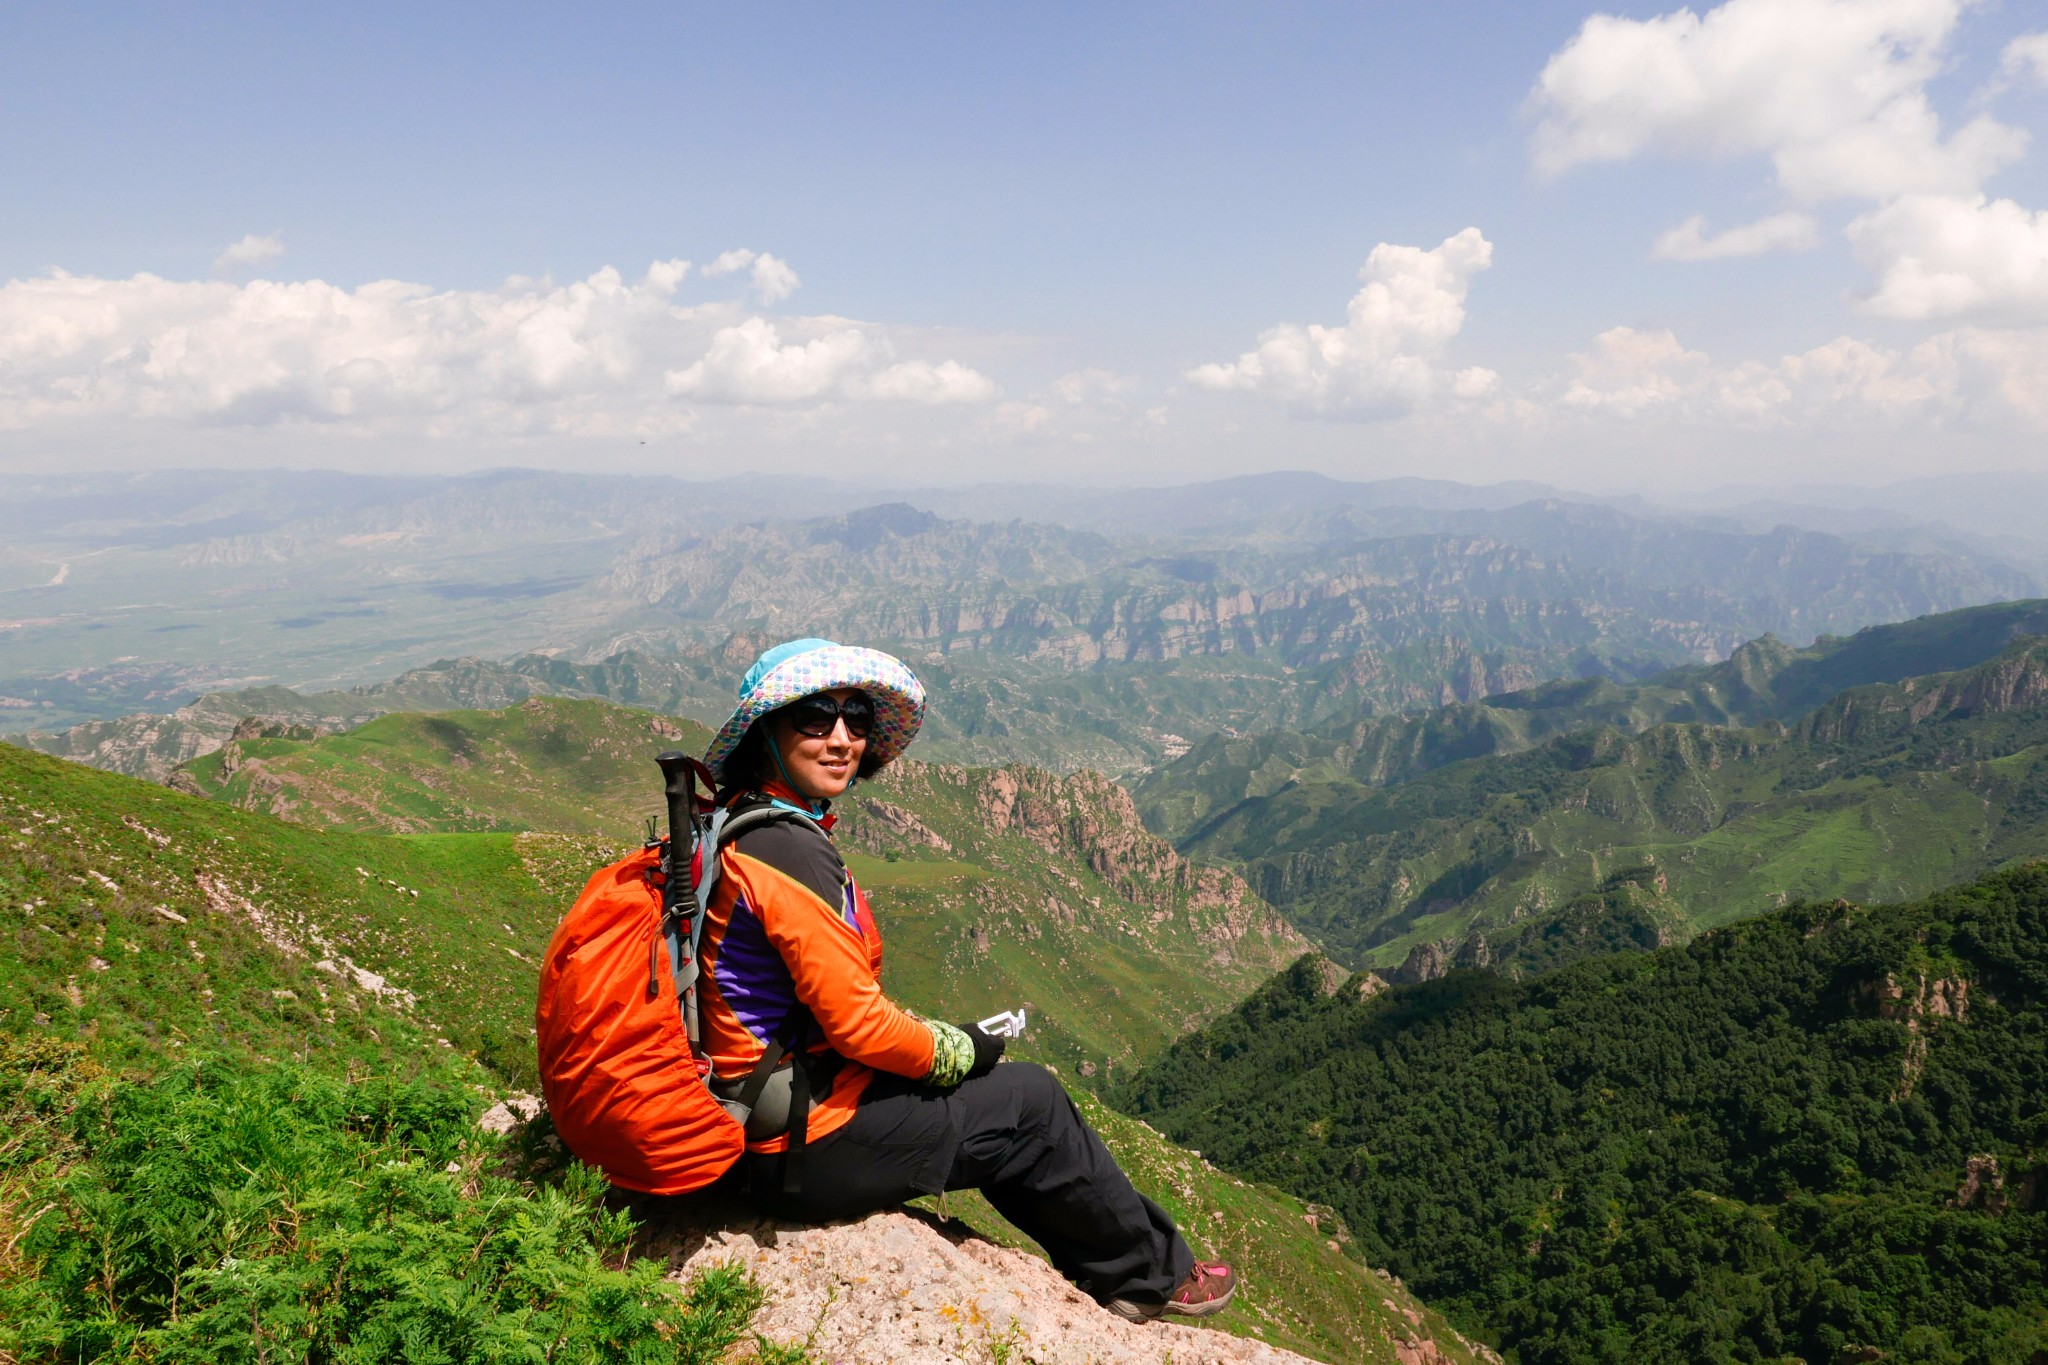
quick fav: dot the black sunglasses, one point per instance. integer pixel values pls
(814, 716)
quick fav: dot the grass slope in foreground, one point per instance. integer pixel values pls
(1821, 1134)
(144, 927)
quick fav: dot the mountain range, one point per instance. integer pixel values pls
(1886, 764)
(1667, 1120)
(1254, 604)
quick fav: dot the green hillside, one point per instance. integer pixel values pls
(147, 922)
(568, 767)
(997, 887)
(1302, 1286)
(339, 972)
(1819, 1135)
(1884, 791)
(1015, 886)
(1763, 680)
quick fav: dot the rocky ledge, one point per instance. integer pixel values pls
(905, 1286)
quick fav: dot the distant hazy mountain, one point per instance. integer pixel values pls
(2008, 503)
(1221, 504)
(1249, 604)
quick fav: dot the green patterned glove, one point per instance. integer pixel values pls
(952, 1054)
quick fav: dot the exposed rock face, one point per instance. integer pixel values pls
(904, 825)
(2016, 682)
(900, 1286)
(1475, 951)
(1940, 998)
(1918, 1006)
(1083, 818)
(1983, 1182)
(1425, 962)
(1329, 976)
(1090, 817)
(152, 746)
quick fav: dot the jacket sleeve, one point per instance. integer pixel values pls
(828, 965)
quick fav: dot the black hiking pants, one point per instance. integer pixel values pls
(1015, 1135)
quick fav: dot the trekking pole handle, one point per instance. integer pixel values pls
(682, 823)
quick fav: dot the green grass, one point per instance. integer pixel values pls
(550, 764)
(217, 1213)
(147, 922)
(881, 875)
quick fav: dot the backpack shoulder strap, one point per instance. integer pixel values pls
(726, 826)
(686, 932)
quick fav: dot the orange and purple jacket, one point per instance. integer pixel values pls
(787, 932)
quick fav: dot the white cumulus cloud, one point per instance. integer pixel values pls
(1833, 91)
(1941, 256)
(250, 253)
(920, 381)
(1382, 361)
(1970, 377)
(1092, 385)
(602, 354)
(750, 363)
(773, 280)
(1629, 372)
(1689, 241)
(2026, 58)
(1846, 377)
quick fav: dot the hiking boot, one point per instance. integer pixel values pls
(1207, 1289)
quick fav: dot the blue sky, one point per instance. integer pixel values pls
(1030, 241)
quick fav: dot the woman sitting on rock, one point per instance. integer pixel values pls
(887, 1106)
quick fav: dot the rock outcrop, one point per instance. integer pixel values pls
(1089, 817)
(1080, 817)
(1918, 1004)
(904, 1286)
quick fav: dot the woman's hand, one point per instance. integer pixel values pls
(961, 1052)
(988, 1049)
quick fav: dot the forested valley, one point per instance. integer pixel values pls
(1818, 1134)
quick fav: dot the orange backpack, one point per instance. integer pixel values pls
(624, 1088)
(625, 1084)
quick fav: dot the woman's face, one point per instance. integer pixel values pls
(823, 766)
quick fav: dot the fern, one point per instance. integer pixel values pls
(218, 1214)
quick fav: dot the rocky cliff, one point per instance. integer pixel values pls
(1086, 818)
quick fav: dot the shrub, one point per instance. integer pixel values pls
(219, 1213)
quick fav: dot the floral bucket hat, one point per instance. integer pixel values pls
(795, 670)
